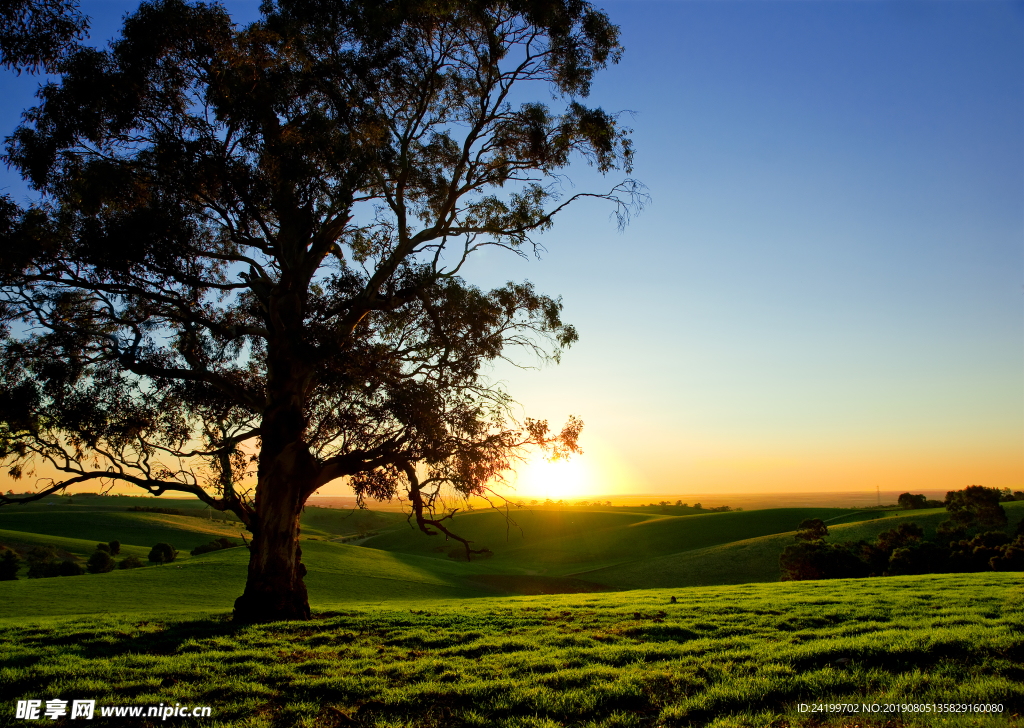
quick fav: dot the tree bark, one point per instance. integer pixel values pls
(274, 589)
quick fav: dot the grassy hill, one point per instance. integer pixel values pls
(757, 559)
(720, 656)
(572, 541)
(554, 552)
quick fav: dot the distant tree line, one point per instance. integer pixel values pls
(972, 539)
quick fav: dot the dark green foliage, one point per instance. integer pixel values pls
(130, 562)
(904, 535)
(71, 568)
(9, 565)
(950, 531)
(811, 529)
(103, 547)
(906, 500)
(45, 562)
(976, 505)
(38, 34)
(918, 557)
(215, 545)
(40, 554)
(114, 547)
(162, 553)
(100, 562)
(977, 553)
(904, 551)
(43, 569)
(1011, 558)
(820, 560)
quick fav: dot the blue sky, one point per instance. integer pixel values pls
(827, 289)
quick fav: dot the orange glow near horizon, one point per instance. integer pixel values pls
(558, 480)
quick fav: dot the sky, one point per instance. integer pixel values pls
(826, 291)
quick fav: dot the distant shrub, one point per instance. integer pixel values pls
(819, 560)
(115, 547)
(43, 569)
(100, 562)
(9, 563)
(42, 554)
(976, 505)
(811, 529)
(162, 553)
(70, 568)
(103, 547)
(215, 545)
(912, 502)
(1012, 557)
(130, 562)
(976, 554)
(917, 557)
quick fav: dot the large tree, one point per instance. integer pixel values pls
(246, 262)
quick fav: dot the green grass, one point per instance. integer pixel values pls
(757, 559)
(575, 541)
(721, 656)
(337, 574)
(92, 523)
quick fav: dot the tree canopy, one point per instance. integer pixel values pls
(37, 34)
(247, 259)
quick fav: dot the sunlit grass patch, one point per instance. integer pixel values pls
(720, 656)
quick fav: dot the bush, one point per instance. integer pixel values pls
(103, 547)
(908, 501)
(215, 545)
(820, 560)
(811, 529)
(976, 505)
(976, 554)
(115, 547)
(69, 568)
(42, 554)
(9, 564)
(162, 553)
(130, 562)
(100, 562)
(43, 569)
(1012, 558)
(917, 557)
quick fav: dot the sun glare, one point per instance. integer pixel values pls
(558, 480)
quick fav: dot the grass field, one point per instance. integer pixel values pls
(757, 559)
(721, 656)
(405, 634)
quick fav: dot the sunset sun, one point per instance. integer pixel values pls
(558, 480)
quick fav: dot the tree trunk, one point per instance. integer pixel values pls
(274, 589)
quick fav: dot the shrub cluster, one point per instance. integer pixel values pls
(9, 564)
(49, 561)
(215, 545)
(163, 553)
(968, 542)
